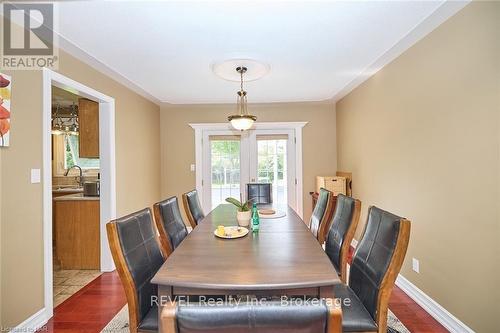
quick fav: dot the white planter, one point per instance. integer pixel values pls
(244, 218)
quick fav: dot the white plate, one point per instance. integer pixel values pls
(232, 232)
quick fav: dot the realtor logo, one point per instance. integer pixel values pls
(28, 36)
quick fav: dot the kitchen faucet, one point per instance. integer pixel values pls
(81, 173)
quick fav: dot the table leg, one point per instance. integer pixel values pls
(164, 296)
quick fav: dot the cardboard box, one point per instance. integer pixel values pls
(333, 184)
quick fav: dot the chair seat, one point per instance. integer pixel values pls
(150, 321)
(355, 318)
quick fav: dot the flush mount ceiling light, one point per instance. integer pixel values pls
(242, 121)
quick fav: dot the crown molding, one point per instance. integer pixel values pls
(77, 52)
(447, 9)
(422, 29)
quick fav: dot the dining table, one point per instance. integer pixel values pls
(281, 258)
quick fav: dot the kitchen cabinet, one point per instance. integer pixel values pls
(59, 193)
(88, 121)
(77, 231)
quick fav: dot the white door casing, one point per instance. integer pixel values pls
(294, 154)
(107, 170)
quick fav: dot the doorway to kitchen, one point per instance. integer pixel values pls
(75, 193)
(79, 174)
(227, 160)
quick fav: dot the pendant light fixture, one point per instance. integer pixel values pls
(65, 120)
(242, 121)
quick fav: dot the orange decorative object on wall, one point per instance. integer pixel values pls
(5, 98)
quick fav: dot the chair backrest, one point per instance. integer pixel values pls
(260, 193)
(272, 317)
(137, 256)
(192, 207)
(341, 232)
(321, 214)
(169, 223)
(377, 261)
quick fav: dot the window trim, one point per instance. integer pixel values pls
(58, 160)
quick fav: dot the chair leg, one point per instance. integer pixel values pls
(334, 324)
(168, 318)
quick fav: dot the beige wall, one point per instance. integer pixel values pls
(137, 177)
(422, 140)
(22, 238)
(0, 238)
(178, 151)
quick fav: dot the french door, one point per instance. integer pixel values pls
(272, 160)
(225, 171)
(233, 159)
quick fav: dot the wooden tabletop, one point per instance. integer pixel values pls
(282, 255)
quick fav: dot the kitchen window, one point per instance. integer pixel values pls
(71, 156)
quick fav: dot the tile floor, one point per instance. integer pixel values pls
(68, 282)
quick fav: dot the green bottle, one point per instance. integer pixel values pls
(255, 218)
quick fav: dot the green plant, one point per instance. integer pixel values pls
(242, 207)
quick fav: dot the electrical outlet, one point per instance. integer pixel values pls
(416, 265)
(193, 167)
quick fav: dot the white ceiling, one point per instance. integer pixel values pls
(316, 50)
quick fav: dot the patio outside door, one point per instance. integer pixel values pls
(225, 168)
(272, 160)
(233, 159)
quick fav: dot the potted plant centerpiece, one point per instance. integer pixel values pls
(243, 215)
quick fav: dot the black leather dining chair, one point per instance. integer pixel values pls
(272, 317)
(375, 266)
(137, 256)
(321, 214)
(340, 233)
(171, 227)
(260, 193)
(192, 207)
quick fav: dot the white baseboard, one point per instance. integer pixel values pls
(34, 322)
(449, 321)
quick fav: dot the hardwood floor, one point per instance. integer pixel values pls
(91, 308)
(412, 315)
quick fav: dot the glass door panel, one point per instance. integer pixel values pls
(225, 155)
(272, 166)
(272, 160)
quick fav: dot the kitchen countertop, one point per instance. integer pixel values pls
(75, 197)
(67, 189)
